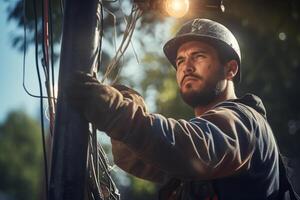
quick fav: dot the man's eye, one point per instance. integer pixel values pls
(178, 62)
(199, 55)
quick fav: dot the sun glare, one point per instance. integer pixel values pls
(177, 8)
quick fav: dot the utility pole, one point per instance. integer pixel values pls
(80, 42)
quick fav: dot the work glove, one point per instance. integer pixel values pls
(131, 95)
(101, 104)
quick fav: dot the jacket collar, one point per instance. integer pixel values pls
(252, 101)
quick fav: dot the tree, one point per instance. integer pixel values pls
(23, 13)
(20, 157)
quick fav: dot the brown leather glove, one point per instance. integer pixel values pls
(99, 103)
(96, 101)
(132, 95)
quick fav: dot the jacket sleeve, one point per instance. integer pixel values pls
(130, 162)
(217, 144)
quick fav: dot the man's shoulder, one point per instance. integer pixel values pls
(246, 111)
(248, 102)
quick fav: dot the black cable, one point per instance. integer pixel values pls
(41, 99)
(101, 37)
(111, 1)
(45, 60)
(51, 48)
(62, 7)
(24, 55)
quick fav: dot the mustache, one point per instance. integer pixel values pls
(197, 76)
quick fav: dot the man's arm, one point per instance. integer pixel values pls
(218, 144)
(199, 148)
(129, 161)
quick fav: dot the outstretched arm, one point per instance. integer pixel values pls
(218, 144)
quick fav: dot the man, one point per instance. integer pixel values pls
(227, 151)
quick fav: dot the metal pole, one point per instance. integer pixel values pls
(79, 52)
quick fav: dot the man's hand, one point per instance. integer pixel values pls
(83, 91)
(91, 98)
(79, 88)
(131, 94)
(99, 103)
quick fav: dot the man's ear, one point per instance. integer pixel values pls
(231, 69)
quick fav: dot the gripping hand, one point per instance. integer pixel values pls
(101, 104)
(131, 95)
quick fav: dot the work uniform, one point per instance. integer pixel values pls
(228, 153)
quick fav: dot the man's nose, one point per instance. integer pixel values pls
(189, 67)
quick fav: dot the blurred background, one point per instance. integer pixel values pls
(269, 36)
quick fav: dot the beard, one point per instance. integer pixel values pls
(203, 96)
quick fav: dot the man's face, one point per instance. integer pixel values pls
(200, 75)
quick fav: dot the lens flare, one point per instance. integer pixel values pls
(177, 8)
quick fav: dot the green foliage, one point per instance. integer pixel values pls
(141, 187)
(20, 157)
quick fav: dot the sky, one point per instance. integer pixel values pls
(12, 94)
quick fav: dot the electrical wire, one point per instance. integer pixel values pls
(101, 185)
(98, 160)
(46, 61)
(114, 27)
(134, 53)
(24, 55)
(100, 36)
(41, 99)
(106, 173)
(134, 9)
(61, 4)
(52, 50)
(132, 46)
(99, 166)
(95, 185)
(111, 1)
(101, 182)
(127, 35)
